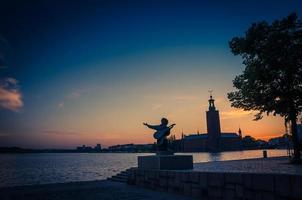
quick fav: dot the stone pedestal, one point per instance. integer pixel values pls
(165, 162)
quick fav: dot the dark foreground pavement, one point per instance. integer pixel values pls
(88, 190)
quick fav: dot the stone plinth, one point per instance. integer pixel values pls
(165, 162)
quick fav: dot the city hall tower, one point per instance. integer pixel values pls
(213, 127)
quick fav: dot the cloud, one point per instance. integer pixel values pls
(3, 134)
(165, 97)
(186, 98)
(157, 106)
(77, 93)
(61, 105)
(55, 132)
(235, 114)
(10, 95)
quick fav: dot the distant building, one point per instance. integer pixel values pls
(84, 148)
(279, 142)
(132, 148)
(214, 140)
(98, 147)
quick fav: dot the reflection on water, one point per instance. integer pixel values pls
(28, 169)
(235, 155)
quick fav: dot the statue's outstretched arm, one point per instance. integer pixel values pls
(155, 127)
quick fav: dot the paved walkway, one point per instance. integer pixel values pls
(90, 190)
(279, 165)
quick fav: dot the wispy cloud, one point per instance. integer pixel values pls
(185, 98)
(10, 95)
(77, 93)
(3, 134)
(235, 114)
(56, 132)
(157, 106)
(171, 97)
(61, 105)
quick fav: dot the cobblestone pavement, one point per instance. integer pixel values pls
(90, 190)
(279, 165)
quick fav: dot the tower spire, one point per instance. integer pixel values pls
(211, 101)
(240, 132)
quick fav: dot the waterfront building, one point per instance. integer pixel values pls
(84, 148)
(214, 140)
(132, 148)
(98, 147)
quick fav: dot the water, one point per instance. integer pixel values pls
(30, 169)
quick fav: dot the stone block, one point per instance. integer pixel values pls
(239, 191)
(216, 179)
(257, 196)
(177, 178)
(203, 180)
(163, 174)
(171, 189)
(263, 182)
(267, 196)
(187, 189)
(248, 194)
(140, 172)
(185, 176)
(151, 174)
(196, 192)
(163, 182)
(171, 174)
(230, 186)
(173, 183)
(282, 185)
(228, 194)
(204, 193)
(280, 198)
(179, 189)
(153, 185)
(156, 173)
(296, 182)
(215, 192)
(165, 162)
(194, 177)
(233, 178)
(247, 180)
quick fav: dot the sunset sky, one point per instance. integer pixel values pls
(93, 71)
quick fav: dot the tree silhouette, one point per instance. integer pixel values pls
(272, 80)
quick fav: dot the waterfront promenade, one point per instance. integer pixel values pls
(85, 190)
(263, 178)
(274, 165)
(270, 178)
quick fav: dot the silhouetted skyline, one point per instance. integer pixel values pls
(91, 71)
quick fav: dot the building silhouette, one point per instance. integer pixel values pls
(213, 127)
(214, 140)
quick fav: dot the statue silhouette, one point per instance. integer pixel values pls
(162, 131)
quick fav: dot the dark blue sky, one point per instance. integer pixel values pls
(106, 49)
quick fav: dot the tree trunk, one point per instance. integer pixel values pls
(293, 120)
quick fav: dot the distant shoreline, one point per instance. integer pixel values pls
(18, 150)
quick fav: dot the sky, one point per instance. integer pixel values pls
(91, 72)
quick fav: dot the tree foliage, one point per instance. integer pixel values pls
(272, 79)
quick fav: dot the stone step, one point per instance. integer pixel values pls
(117, 179)
(121, 176)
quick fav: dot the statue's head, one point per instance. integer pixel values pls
(164, 121)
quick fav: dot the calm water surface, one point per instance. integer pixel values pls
(29, 169)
